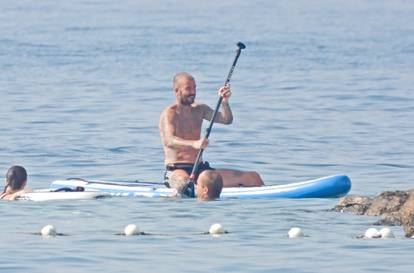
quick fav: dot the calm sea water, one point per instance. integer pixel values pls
(324, 87)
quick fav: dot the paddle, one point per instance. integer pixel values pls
(191, 182)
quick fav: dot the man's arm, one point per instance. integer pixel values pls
(225, 116)
(169, 139)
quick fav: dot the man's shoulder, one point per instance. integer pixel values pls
(202, 108)
(170, 108)
(195, 105)
(199, 105)
(169, 111)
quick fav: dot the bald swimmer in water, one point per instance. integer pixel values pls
(180, 129)
(16, 180)
(209, 185)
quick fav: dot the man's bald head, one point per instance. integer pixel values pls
(179, 77)
(185, 88)
(209, 185)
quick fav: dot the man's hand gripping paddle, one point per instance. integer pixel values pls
(189, 190)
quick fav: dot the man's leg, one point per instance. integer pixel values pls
(178, 180)
(234, 178)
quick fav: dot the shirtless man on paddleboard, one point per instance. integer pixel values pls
(180, 129)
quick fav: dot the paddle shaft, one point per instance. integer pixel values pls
(208, 130)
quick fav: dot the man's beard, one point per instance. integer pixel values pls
(188, 100)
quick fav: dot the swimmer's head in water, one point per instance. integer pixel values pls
(209, 185)
(16, 177)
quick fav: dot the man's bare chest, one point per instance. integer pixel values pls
(189, 125)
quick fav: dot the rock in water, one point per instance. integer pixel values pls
(397, 208)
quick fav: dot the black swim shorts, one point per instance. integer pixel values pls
(187, 167)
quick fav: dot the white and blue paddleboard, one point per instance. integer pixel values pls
(47, 195)
(325, 187)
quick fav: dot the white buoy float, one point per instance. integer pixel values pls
(48, 230)
(295, 232)
(131, 230)
(216, 229)
(386, 233)
(372, 233)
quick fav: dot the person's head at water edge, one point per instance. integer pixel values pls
(15, 183)
(209, 185)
